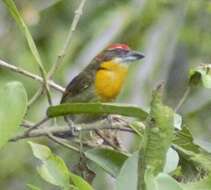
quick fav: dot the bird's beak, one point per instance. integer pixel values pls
(133, 56)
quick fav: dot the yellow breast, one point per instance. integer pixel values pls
(109, 79)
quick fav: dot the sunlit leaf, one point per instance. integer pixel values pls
(110, 160)
(13, 104)
(40, 151)
(80, 183)
(54, 170)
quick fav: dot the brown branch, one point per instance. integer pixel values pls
(62, 130)
(30, 75)
(36, 125)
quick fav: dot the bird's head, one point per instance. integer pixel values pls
(119, 53)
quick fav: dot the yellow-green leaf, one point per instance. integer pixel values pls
(13, 104)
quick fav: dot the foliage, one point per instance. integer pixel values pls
(9, 104)
(167, 31)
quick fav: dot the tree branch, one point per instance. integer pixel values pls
(30, 75)
(62, 130)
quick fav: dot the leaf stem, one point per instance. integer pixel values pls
(60, 142)
(60, 58)
(183, 99)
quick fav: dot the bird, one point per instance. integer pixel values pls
(101, 80)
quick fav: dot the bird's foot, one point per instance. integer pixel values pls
(73, 129)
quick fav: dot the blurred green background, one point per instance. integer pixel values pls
(173, 35)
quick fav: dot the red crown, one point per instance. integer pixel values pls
(118, 46)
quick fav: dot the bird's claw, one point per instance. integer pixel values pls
(74, 130)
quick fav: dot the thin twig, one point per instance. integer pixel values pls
(42, 132)
(183, 99)
(60, 141)
(107, 128)
(36, 125)
(73, 26)
(30, 75)
(45, 84)
(35, 97)
(62, 54)
(107, 141)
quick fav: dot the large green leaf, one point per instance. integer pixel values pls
(110, 160)
(54, 170)
(166, 182)
(13, 104)
(161, 182)
(79, 182)
(95, 108)
(192, 153)
(157, 139)
(203, 184)
(128, 175)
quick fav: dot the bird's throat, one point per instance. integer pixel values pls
(109, 79)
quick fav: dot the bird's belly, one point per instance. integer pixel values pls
(109, 83)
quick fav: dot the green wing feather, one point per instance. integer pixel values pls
(80, 89)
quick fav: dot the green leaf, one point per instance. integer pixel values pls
(128, 175)
(32, 187)
(203, 184)
(138, 127)
(201, 75)
(40, 151)
(54, 170)
(166, 182)
(157, 139)
(192, 153)
(20, 22)
(110, 160)
(13, 104)
(161, 182)
(95, 108)
(80, 183)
